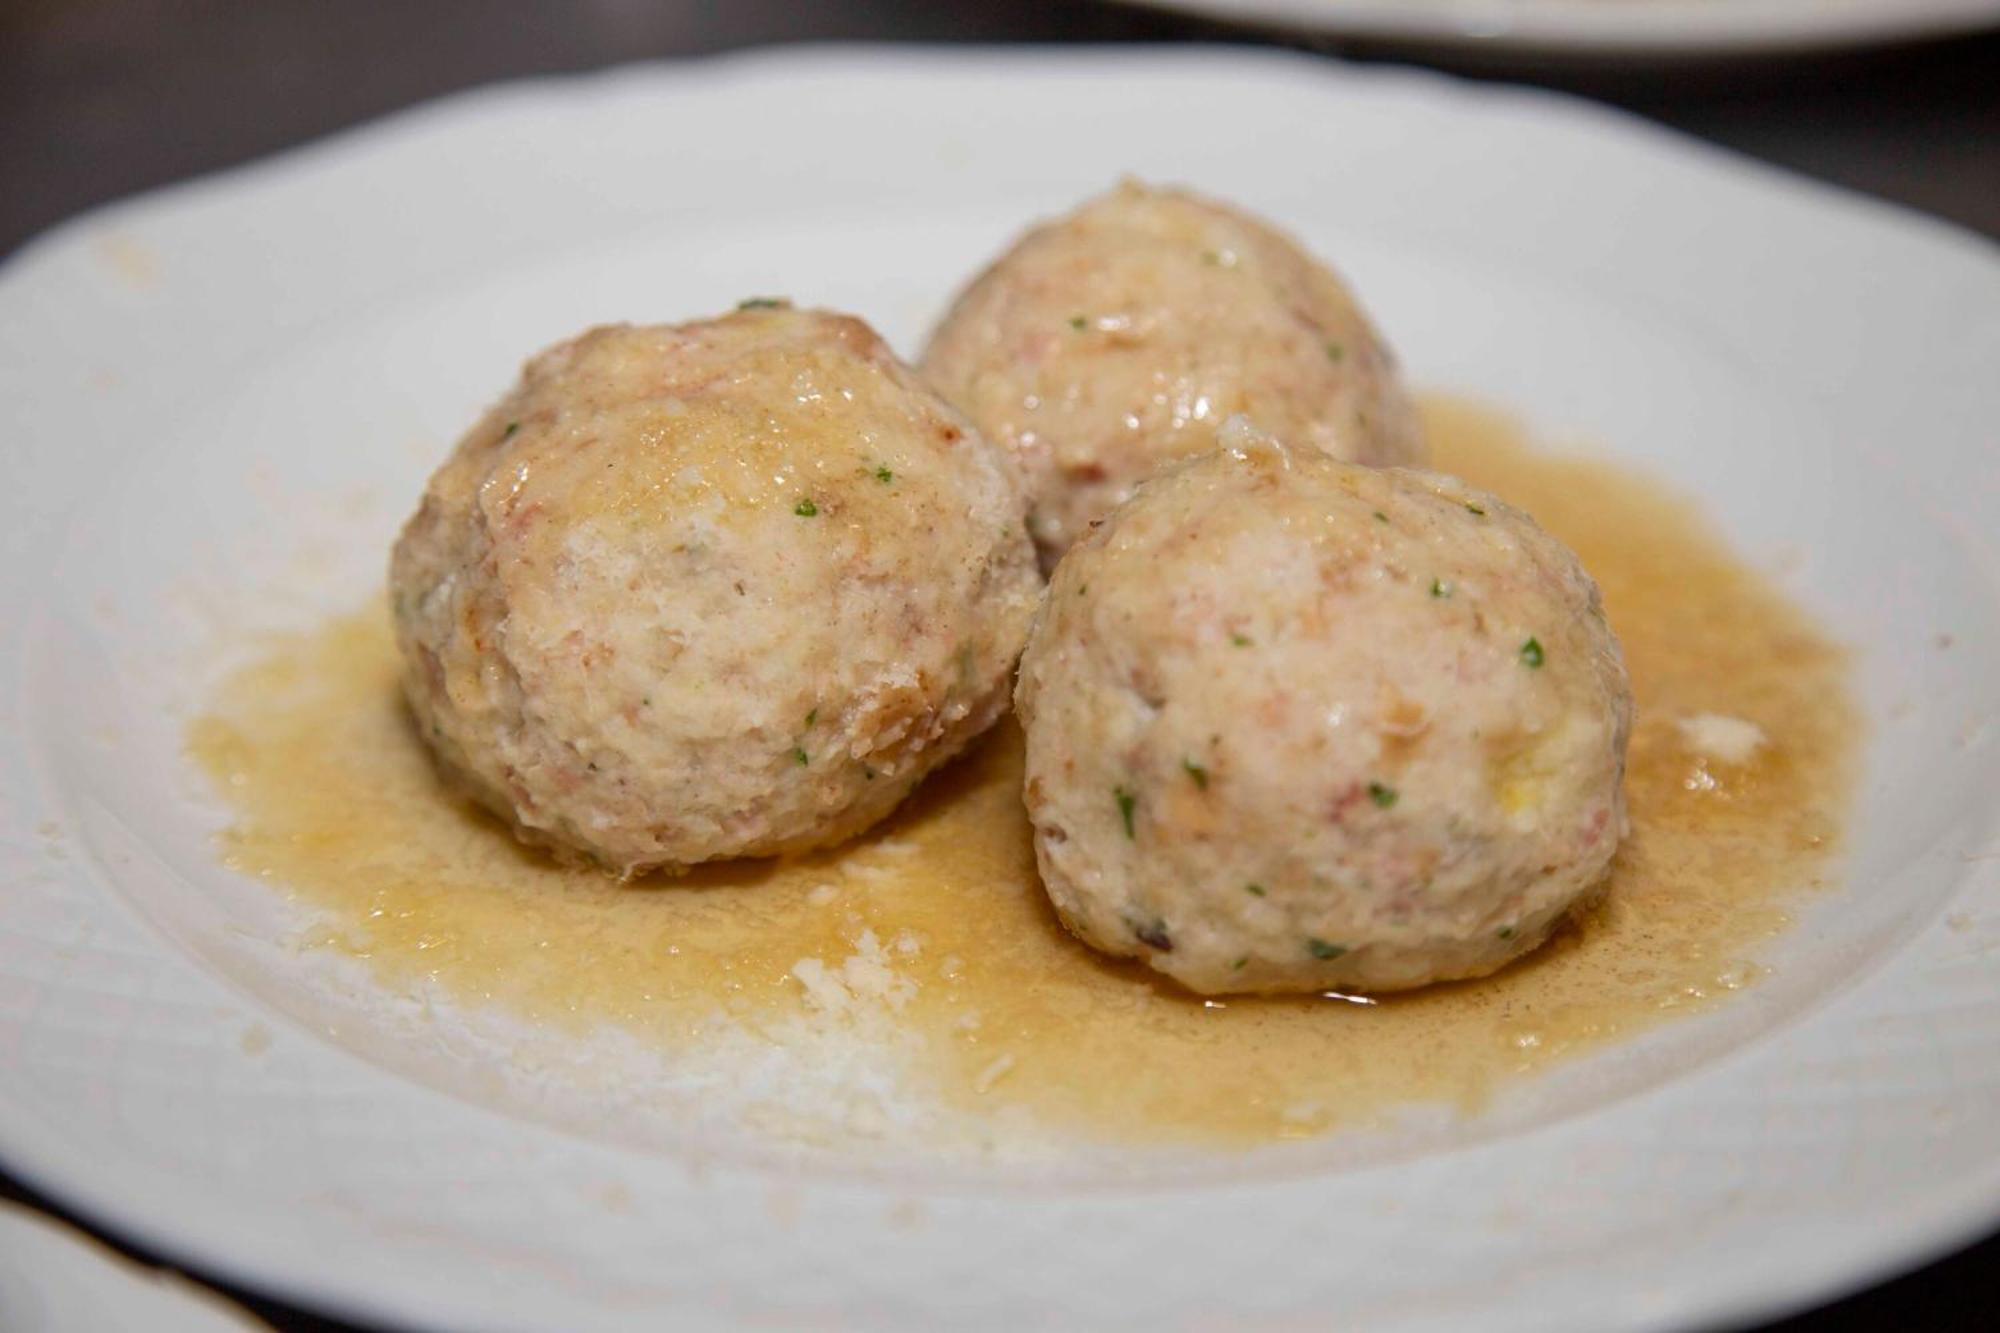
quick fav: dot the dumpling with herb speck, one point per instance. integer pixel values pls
(718, 589)
(1298, 725)
(1111, 343)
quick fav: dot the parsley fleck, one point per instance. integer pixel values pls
(1506, 932)
(806, 508)
(1381, 517)
(884, 475)
(1197, 772)
(512, 428)
(1240, 640)
(762, 303)
(868, 773)
(1154, 935)
(1127, 803)
(1383, 796)
(1531, 652)
(1323, 951)
(1237, 966)
(1334, 351)
(1475, 509)
(1210, 258)
(1254, 890)
(1439, 588)
(812, 717)
(800, 757)
(1078, 322)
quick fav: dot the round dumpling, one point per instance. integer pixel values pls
(1298, 725)
(1115, 341)
(719, 589)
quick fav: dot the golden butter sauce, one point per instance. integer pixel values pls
(334, 801)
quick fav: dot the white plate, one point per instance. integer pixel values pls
(1629, 28)
(253, 374)
(54, 1280)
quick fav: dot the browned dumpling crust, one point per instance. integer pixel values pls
(719, 589)
(1113, 342)
(1295, 724)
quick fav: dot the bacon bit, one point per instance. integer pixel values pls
(1344, 801)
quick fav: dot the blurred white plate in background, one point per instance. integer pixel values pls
(1620, 28)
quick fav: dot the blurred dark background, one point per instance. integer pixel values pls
(101, 98)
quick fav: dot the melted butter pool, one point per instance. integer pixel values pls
(935, 920)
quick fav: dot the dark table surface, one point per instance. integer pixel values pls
(101, 98)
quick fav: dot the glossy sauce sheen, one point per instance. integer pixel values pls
(335, 802)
